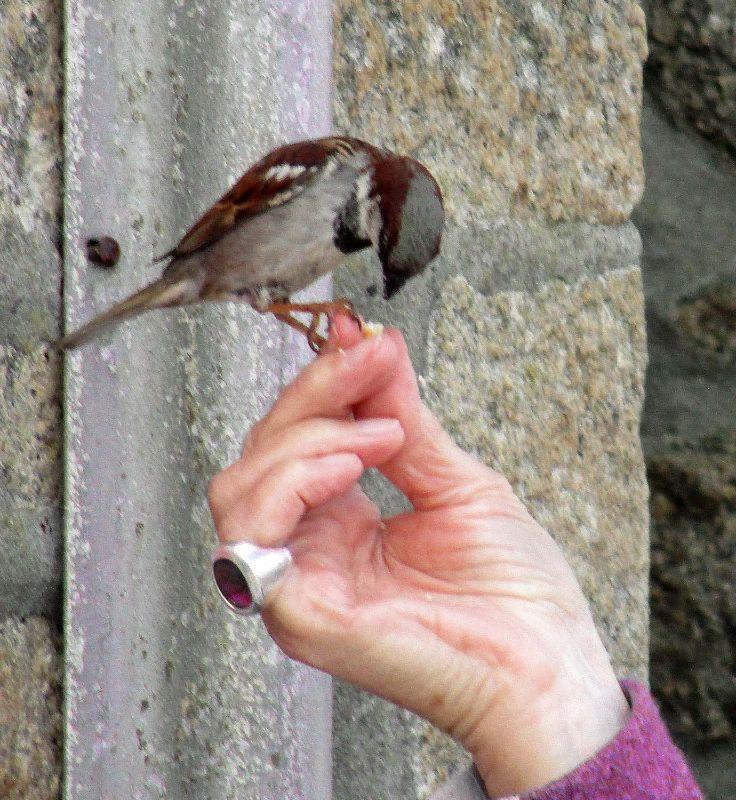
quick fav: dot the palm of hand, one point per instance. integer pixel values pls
(476, 581)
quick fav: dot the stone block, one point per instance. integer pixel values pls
(689, 246)
(528, 114)
(30, 280)
(383, 752)
(689, 250)
(30, 710)
(547, 387)
(520, 109)
(708, 319)
(494, 256)
(30, 441)
(545, 384)
(693, 591)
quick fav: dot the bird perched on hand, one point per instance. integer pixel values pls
(291, 218)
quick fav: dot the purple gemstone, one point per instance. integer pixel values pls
(232, 584)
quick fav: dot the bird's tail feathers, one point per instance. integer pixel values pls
(162, 293)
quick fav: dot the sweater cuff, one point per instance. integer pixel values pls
(641, 763)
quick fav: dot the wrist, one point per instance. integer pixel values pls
(536, 737)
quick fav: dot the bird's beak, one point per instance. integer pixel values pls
(393, 281)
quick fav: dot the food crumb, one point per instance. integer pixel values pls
(371, 329)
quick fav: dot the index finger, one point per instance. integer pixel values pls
(333, 383)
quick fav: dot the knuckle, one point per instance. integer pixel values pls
(294, 481)
(230, 530)
(296, 472)
(315, 381)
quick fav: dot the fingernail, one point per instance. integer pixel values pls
(372, 330)
(376, 427)
(364, 348)
(343, 327)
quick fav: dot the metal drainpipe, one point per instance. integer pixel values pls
(167, 693)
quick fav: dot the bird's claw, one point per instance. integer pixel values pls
(330, 308)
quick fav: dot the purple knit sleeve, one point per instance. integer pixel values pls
(641, 763)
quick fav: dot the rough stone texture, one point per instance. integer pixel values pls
(402, 748)
(30, 105)
(29, 452)
(30, 710)
(30, 275)
(493, 255)
(29, 306)
(689, 245)
(709, 319)
(692, 63)
(715, 768)
(547, 387)
(516, 260)
(693, 589)
(520, 108)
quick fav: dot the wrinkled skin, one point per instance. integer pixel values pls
(463, 610)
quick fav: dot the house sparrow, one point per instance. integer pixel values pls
(291, 218)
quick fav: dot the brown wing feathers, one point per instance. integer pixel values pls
(272, 181)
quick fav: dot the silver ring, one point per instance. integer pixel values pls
(245, 574)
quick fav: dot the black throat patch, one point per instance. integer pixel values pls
(346, 226)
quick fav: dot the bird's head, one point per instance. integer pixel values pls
(409, 218)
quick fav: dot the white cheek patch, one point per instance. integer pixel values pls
(369, 218)
(362, 188)
(283, 172)
(374, 223)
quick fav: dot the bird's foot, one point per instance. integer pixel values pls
(285, 312)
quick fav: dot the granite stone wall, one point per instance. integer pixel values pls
(30, 435)
(686, 221)
(30, 297)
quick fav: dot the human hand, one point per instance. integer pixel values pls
(463, 609)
